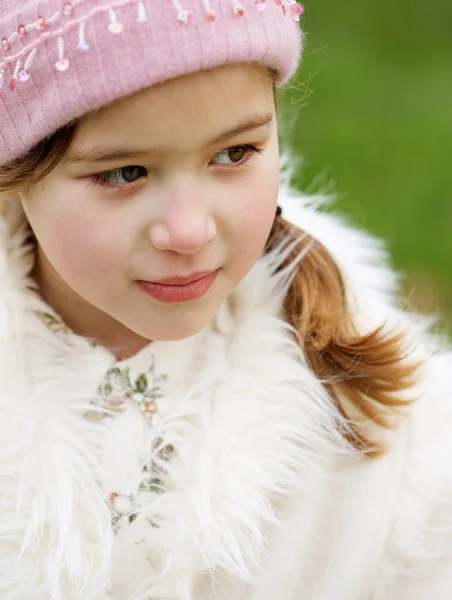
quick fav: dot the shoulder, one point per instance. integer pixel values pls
(419, 502)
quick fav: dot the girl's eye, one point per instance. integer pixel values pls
(235, 155)
(123, 177)
(119, 177)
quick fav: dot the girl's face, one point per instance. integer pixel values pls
(175, 181)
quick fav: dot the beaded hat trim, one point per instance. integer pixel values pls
(54, 27)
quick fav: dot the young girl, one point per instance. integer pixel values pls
(201, 398)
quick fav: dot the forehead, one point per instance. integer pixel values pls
(196, 104)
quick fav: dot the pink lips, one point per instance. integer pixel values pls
(180, 289)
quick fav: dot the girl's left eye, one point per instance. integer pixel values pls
(237, 154)
(123, 177)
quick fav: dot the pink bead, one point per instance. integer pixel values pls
(115, 27)
(210, 16)
(24, 75)
(239, 11)
(5, 44)
(297, 9)
(12, 84)
(41, 23)
(22, 31)
(67, 9)
(62, 65)
(279, 2)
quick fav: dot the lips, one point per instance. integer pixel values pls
(183, 280)
(180, 289)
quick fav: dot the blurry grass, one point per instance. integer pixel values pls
(374, 109)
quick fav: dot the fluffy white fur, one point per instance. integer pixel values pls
(260, 472)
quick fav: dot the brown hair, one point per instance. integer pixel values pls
(28, 170)
(366, 375)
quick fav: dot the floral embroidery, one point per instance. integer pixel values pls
(117, 389)
(124, 508)
(124, 511)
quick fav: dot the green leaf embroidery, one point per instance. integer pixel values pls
(141, 384)
(126, 376)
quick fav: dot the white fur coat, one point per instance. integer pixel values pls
(240, 486)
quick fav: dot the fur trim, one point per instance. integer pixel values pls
(250, 425)
(55, 526)
(254, 424)
(421, 531)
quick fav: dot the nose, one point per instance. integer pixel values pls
(187, 225)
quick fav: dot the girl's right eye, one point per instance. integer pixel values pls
(119, 177)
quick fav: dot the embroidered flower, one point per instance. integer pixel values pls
(117, 389)
(125, 508)
(122, 510)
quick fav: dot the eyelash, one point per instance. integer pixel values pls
(99, 179)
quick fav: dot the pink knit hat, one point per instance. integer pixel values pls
(60, 59)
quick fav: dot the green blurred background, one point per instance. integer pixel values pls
(375, 127)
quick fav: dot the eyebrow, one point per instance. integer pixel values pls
(98, 154)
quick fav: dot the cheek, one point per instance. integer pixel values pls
(257, 207)
(83, 248)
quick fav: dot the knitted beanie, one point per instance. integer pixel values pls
(61, 59)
